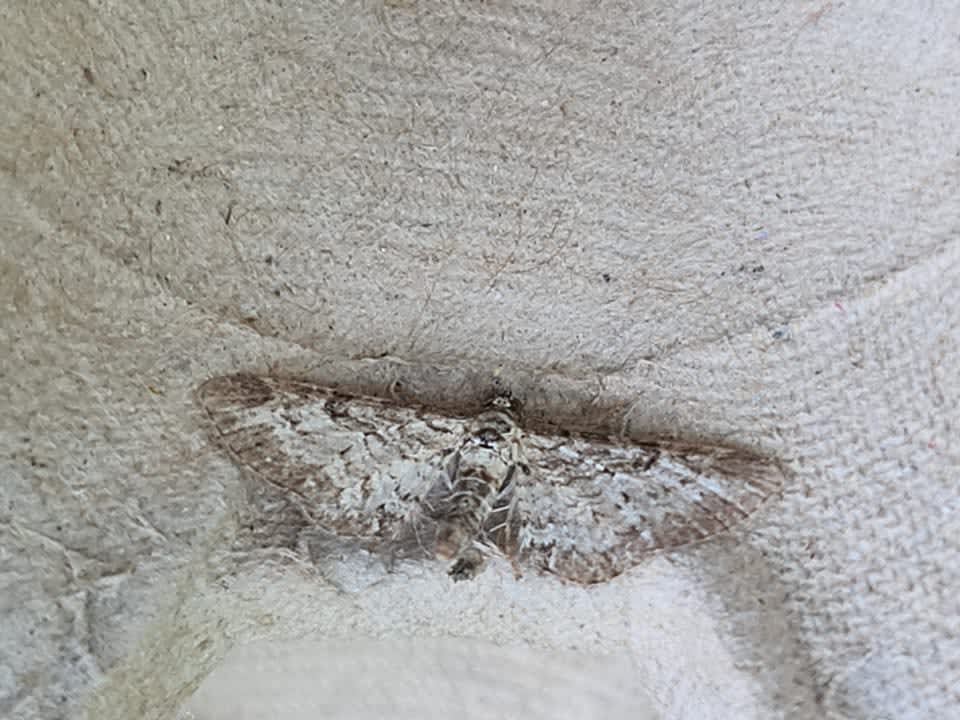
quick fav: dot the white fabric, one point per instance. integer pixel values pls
(734, 221)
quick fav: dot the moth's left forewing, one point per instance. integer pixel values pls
(597, 507)
(357, 466)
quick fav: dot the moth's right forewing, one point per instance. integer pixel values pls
(595, 507)
(358, 466)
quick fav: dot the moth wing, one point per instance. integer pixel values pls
(588, 509)
(356, 466)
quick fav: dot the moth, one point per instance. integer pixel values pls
(423, 484)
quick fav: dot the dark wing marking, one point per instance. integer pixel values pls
(593, 509)
(357, 466)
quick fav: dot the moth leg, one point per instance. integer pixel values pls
(502, 526)
(467, 565)
(453, 540)
(515, 566)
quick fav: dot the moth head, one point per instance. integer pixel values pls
(505, 402)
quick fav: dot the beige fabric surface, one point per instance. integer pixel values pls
(361, 679)
(732, 220)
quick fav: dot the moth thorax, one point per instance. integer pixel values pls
(494, 424)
